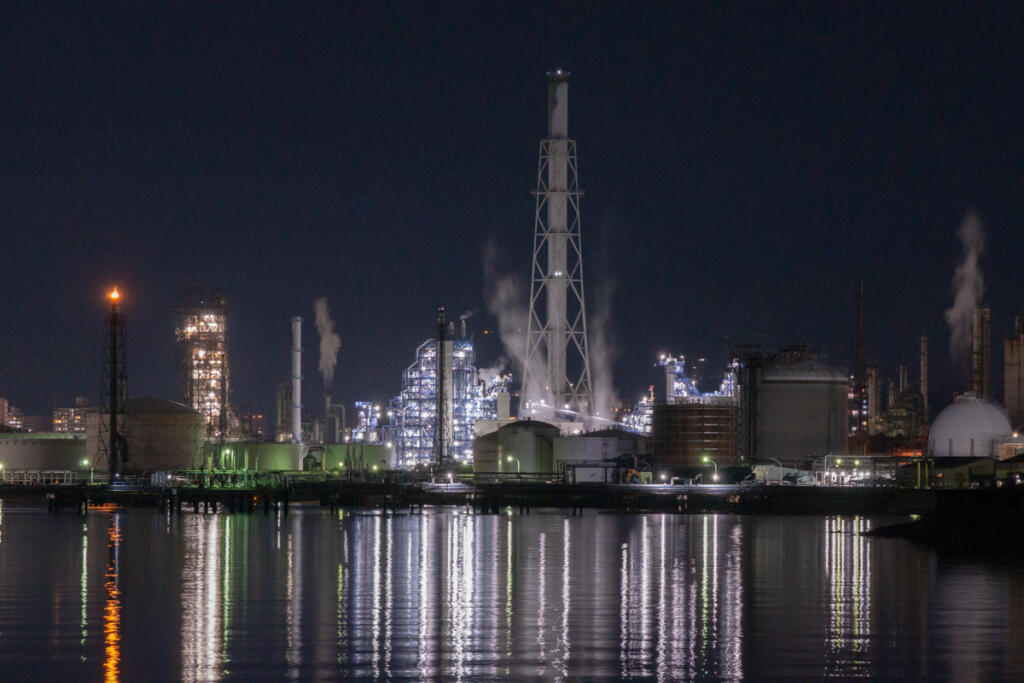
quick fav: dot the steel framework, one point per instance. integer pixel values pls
(200, 333)
(557, 328)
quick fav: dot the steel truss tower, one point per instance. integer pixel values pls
(557, 368)
(113, 444)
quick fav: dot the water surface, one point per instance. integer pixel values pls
(139, 594)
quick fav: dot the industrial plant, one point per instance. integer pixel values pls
(778, 415)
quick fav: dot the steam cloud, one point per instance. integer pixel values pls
(968, 286)
(502, 293)
(602, 350)
(330, 342)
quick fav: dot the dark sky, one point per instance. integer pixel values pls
(745, 167)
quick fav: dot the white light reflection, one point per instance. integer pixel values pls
(508, 593)
(375, 628)
(202, 626)
(541, 594)
(566, 595)
(427, 607)
(84, 596)
(848, 565)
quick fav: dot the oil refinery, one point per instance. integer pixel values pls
(787, 409)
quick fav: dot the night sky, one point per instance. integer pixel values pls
(745, 168)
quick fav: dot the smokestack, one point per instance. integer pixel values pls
(981, 348)
(860, 376)
(904, 378)
(924, 374)
(297, 380)
(873, 398)
(558, 104)
(892, 395)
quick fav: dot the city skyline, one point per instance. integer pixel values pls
(739, 183)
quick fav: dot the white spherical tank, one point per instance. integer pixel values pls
(970, 427)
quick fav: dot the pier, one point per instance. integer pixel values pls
(488, 497)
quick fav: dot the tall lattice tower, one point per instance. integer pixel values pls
(113, 444)
(557, 369)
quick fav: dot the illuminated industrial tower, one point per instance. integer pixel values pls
(113, 444)
(200, 331)
(557, 369)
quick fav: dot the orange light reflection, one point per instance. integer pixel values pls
(112, 609)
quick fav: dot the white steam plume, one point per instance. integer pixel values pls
(602, 349)
(330, 342)
(504, 302)
(968, 286)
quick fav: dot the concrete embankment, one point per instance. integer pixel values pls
(969, 522)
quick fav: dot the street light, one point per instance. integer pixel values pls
(86, 462)
(510, 458)
(707, 459)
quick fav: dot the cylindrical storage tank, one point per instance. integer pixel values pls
(160, 435)
(683, 433)
(803, 411)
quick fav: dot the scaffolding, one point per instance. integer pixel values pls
(413, 413)
(200, 333)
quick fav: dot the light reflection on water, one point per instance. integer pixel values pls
(459, 596)
(112, 609)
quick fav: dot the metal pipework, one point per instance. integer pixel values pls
(297, 380)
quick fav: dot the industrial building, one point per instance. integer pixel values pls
(200, 333)
(368, 423)
(328, 427)
(262, 456)
(692, 425)
(1013, 369)
(23, 452)
(71, 420)
(540, 450)
(793, 406)
(464, 398)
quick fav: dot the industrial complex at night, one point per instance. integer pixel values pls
(511, 341)
(784, 415)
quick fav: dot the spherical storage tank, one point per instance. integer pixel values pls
(970, 427)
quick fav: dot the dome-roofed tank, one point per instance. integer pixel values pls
(970, 427)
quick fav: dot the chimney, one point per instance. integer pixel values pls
(297, 380)
(924, 374)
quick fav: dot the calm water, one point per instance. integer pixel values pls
(137, 594)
